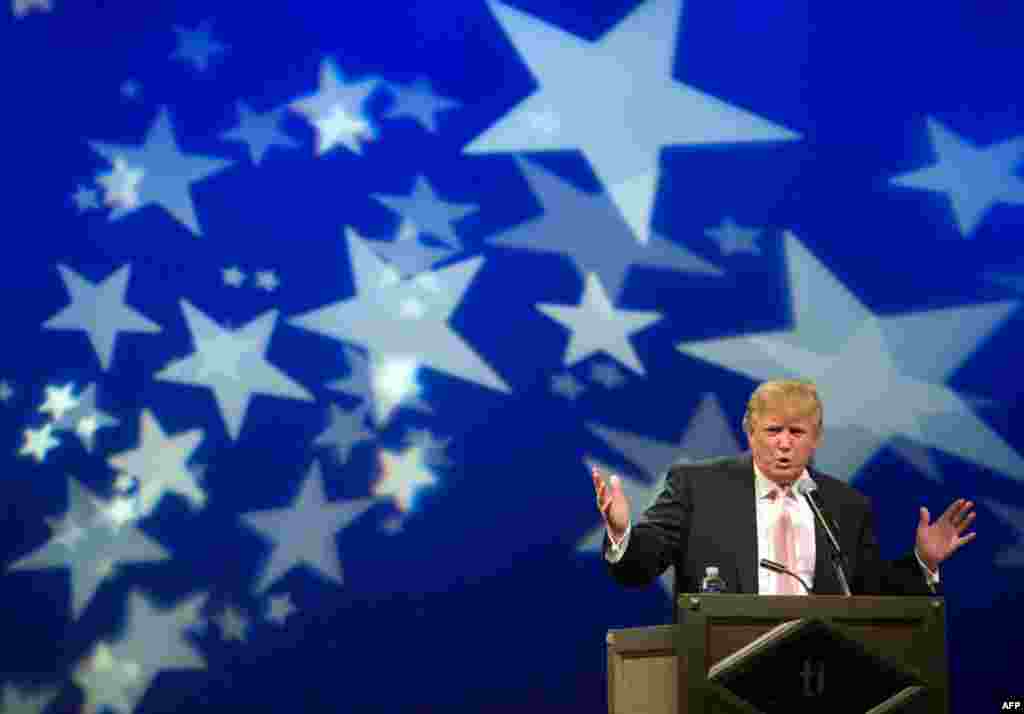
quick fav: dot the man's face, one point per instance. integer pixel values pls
(782, 443)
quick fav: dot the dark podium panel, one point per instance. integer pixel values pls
(756, 654)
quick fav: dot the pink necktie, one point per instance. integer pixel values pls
(785, 545)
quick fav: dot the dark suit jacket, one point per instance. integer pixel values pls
(706, 515)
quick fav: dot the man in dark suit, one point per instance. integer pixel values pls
(733, 512)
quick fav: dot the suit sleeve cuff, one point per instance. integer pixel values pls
(615, 551)
(932, 576)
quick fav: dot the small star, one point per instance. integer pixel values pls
(607, 375)
(418, 100)
(86, 199)
(410, 256)
(24, 701)
(233, 277)
(260, 131)
(233, 624)
(346, 430)
(338, 126)
(58, 401)
(121, 184)
(6, 391)
(595, 325)
(733, 238)
(38, 442)
(428, 212)
(281, 608)
(567, 386)
(267, 279)
(433, 449)
(197, 46)
(402, 474)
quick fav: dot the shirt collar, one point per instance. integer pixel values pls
(763, 485)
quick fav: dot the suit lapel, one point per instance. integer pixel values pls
(741, 534)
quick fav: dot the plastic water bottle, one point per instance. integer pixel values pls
(712, 582)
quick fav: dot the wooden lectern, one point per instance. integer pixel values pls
(772, 654)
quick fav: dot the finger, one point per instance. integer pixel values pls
(965, 523)
(924, 518)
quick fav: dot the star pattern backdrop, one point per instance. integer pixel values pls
(316, 314)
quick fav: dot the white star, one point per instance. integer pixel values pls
(267, 279)
(346, 430)
(607, 375)
(879, 377)
(99, 310)
(260, 131)
(168, 173)
(281, 608)
(306, 532)
(418, 100)
(383, 383)
(39, 442)
(233, 364)
(160, 464)
(733, 238)
(6, 391)
(20, 8)
(974, 179)
(93, 553)
(616, 100)
(233, 624)
(597, 326)
(121, 184)
(58, 401)
(85, 199)
(337, 126)
(429, 213)
(590, 230)
(402, 474)
(373, 316)
(335, 92)
(233, 277)
(567, 386)
(85, 419)
(197, 46)
(118, 674)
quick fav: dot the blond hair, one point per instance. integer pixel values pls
(798, 396)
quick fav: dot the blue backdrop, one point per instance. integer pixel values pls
(315, 310)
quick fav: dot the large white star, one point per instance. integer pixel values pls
(168, 173)
(596, 325)
(100, 311)
(380, 316)
(878, 377)
(233, 364)
(974, 179)
(89, 542)
(161, 464)
(305, 532)
(118, 674)
(590, 231)
(616, 100)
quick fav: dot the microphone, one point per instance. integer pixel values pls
(807, 489)
(780, 568)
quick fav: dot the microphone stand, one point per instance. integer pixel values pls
(837, 553)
